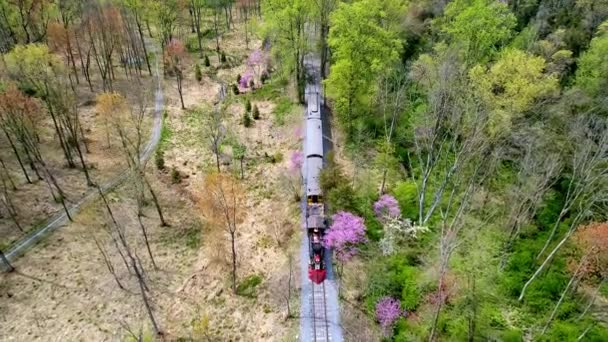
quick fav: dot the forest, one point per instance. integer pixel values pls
(150, 157)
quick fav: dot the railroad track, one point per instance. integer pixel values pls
(320, 324)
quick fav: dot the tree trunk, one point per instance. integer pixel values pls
(543, 265)
(163, 223)
(10, 208)
(217, 158)
(145, 234)
(8, 175)
(64, 144)
(108, 264)
(178, 77)
(242, 172)
(143, 43)
(84, 165)
(143, 289)
(217, 34)
(233, 245)
(16, 152)
(564, 293)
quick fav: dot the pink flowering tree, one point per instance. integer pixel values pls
(256, 60)
(298, 133)
(388, 311)
(396, 229)
(246, 78)
(345, 233)
(295, 161)
(387, 207)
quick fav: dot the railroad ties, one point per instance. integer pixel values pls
(320, 324)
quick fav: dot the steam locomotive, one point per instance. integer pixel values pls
(315, 208)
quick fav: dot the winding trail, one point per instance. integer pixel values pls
(319, 309)
(60, 219)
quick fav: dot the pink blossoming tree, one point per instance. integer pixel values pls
(387, 207)
(295, 161)
(246, 78)
(345, 233)
(388, 311)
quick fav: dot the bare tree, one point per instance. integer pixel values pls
(538, 167)
(197, 8)
(392, 101)
(443, 132)
(5, 198)
(287, 296)
(588, 136)
(573, 280)
(134, 264)
(223, 205)
(324, 9)
(214, 132)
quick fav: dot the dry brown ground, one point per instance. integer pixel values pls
(63, 291)
(33, 201)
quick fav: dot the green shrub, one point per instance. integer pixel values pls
(512, 335)
(247, 120)
(207, 62)
(176, 177)
(238, 78)
(198, 74)
(159, 159)
(247, 106)
(248, 285)
(342, 197)
(550, 210)
(235, 89)
(223, 57)
(256, 113)
(394, 277)
(407, 195)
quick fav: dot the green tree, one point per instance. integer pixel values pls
(363, 49)
(480, 26)
(238, 152)
(284, 24)
(592, 73)
(511, 86)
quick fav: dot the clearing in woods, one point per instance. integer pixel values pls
(63, 289)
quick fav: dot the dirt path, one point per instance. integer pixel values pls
(60, 219)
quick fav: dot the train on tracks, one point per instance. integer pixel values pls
(315, 207)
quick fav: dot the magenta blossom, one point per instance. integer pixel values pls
(256, 58)
(298, 133)
(247, 76)
(388, 311)
(296, 160)
(387, 207)
(346, 231)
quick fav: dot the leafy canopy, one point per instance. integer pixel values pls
(592, 73)
(511, 86)
(363, 48)
(481, 26)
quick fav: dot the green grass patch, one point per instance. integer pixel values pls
(283, 108)
(165, 133)
(189, 236)
(247, 286)
(271, 90)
